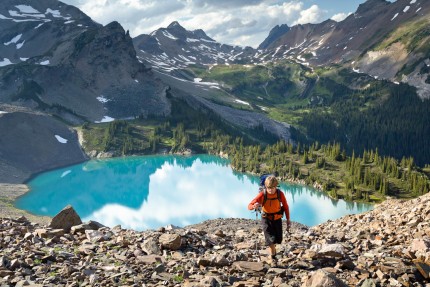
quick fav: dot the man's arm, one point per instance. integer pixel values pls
(258, 199)
(286, 210)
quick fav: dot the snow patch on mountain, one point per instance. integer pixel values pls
(191, 40)
(168, 35)
(14, 40)
(241, 102)
(27, 9)
(102, 99)
(19, 45)
(60, 139)
(54, 13)
(5, 62)
(106, 119)
(14, 13)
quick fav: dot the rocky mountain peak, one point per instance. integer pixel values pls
(275, 33)
(175, 48)
(200, 34)
(370, 5)
(111, 41)
(175, 25)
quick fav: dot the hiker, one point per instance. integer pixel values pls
(269, 199)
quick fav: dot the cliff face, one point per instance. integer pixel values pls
(389, 246)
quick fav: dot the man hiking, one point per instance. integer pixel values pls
(273, 204)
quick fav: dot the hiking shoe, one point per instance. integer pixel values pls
(273, 262)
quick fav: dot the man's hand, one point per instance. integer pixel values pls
(256, 205)
(288, 225)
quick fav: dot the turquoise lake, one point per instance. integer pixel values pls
(152, 191)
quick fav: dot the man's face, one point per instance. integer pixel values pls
(271, 190)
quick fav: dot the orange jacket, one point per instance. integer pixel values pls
(271, 206)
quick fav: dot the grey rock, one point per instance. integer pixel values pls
(249, 266)
(150, 259)
(94, 235)
(170, 241)
(368, 283)
(65, 219)
(150, 246)
(321, 278)
(420, 245)
(333, 250)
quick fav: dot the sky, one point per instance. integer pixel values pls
(237, 22)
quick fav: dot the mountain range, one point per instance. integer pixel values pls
(58, 63)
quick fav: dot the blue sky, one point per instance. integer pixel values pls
(237, 22)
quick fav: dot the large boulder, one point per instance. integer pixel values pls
(65, 219)
(170, 241)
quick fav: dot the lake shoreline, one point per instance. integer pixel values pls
(9, 193)
(138, 169)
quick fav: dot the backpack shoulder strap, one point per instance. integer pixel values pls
(264, 196)
(278, 193)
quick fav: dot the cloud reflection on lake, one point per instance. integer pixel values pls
(182, 196)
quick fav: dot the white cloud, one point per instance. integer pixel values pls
(241, 22)
(340, 16)
(311, 15)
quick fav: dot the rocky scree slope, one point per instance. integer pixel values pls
(33, 142)
(389, 246)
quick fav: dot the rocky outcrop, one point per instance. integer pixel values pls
(65, 219)
(389, 246)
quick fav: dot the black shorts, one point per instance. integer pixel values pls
(272, 231)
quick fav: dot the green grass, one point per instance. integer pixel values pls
(275, 83)
(411, 35)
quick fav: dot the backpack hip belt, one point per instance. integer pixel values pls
(271, 215)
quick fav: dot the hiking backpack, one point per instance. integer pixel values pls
(263, 189)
